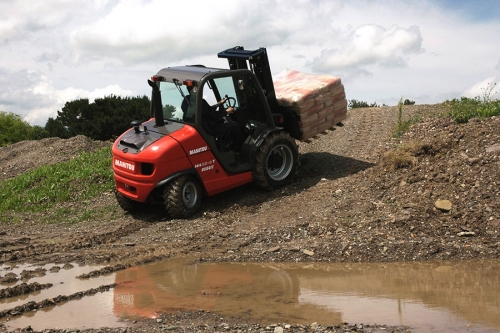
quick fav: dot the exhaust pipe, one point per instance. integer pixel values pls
(158, 108)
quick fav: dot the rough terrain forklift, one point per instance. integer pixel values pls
(171, 159)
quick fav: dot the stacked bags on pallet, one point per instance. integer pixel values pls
(319, 99)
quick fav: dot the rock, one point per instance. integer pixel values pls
(474, 160)
(278, 329)
(274, 249)
(308, 252)
(443, 205)
(466, 234)
(495, 223)
(493, 148)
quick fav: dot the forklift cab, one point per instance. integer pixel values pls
(183, 90)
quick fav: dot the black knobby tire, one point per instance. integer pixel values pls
(127, 204)
(277, 161)
(182, 196)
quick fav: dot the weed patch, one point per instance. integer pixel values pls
(404, 125)
(466, 108)
(42, 189)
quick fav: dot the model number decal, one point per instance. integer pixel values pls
(210, 167)
(125, 165)
(205, 166)
(198, 150)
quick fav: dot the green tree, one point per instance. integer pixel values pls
(355, 104)
(104, 119)
(13, 128)
(55, 128)
(168, 111)
(38, 132)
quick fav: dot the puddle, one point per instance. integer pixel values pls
(428, 297)
(88, 312)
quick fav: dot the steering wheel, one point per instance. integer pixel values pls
(231, 102)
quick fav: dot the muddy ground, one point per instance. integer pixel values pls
(360, 196)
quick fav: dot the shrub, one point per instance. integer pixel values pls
(466, 108)
(398, 158)
(13, 129)
(463, 109)
(355, 104)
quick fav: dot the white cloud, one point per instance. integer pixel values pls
(20, 18)
(485, 90)
(33, 95)
(371, 45)
(54, 51)
(159, 30)
(114, 89)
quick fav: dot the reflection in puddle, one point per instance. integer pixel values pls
(429, 297)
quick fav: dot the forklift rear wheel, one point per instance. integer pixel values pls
(277, 161)
(127, 204)
(182, 196)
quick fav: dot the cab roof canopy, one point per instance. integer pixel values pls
(182, 73)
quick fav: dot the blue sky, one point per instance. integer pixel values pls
(56, 51)
(473, 10)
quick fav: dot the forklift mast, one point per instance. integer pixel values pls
(259, 65)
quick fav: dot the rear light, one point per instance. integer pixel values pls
(190, 83)
(279, 120)
(147, 168)
(157, 78)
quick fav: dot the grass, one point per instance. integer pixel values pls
(403, 156)
(460, 110)
(464, 109)
(54, 189)
(403, 125)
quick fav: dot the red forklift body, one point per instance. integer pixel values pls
(174, 159)
(182, 151)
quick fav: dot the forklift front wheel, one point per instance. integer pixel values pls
(276, 161)
(182, 196)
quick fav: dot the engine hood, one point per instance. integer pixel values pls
(140, 137)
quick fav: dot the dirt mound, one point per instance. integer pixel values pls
(23, 156)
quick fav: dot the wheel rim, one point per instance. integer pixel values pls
(279, 162)
(189, 195)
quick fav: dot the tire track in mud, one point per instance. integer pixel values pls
(367, 132)
(25, 248)
(50, 302)
(23, 289)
